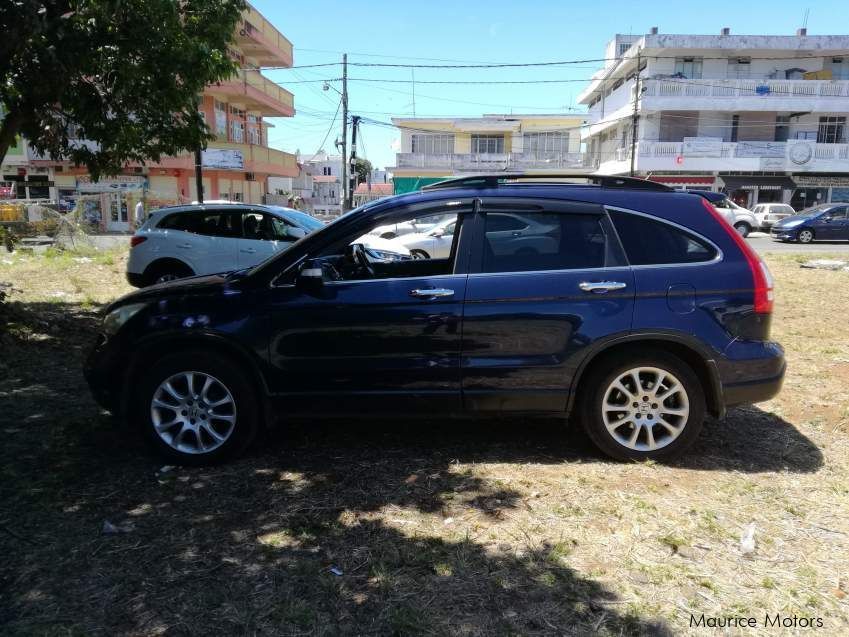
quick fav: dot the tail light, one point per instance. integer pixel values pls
(136, 240)
(761, 277)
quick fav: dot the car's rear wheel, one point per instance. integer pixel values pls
(643, 406)
(197, 408)
(419, 254)
(167, 271)
(743, 228)
(805, 236)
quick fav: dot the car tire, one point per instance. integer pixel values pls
(216, 420)
(743, 229)
(805, 236)
(167, 271)
(660, 433)
(419, 254)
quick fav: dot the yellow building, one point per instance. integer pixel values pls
(236, 164)
(435, 148)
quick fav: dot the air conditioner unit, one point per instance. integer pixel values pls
(249, 177)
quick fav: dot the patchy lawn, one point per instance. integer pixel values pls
(502, 527)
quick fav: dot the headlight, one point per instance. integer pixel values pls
(113, 321)
(387, 256)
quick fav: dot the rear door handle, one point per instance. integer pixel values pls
(431, 293)
(601, 287)
(184, 245)
(248, 250)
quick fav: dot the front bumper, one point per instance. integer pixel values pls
(783, 234)
(102, 371)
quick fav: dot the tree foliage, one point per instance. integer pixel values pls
(363, 167)
(124, 74)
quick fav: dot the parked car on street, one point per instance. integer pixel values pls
(638, 311)
(415, 226)
(741, 219)
(826, 222)
(182, 241)
(768, 214)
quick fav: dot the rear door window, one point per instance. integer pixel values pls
(537, 241)
(210, 223)
(652, 242)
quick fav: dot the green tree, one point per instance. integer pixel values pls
(363, 167)
(124, 74)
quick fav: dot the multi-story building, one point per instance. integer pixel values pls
(326, 173)
(236, 165)
(435, 148)
(292, 191)
(761, 117)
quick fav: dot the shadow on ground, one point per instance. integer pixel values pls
(249, 547)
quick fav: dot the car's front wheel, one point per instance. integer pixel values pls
(419, 254)
(805, 236)
(197, 408)
(643, 406)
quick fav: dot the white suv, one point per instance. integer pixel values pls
(190, 240)
(768, 214)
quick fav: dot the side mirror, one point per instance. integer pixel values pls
(439, 232)
(297, 233)
(311, 276)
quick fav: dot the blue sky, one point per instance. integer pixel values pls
(492, 31)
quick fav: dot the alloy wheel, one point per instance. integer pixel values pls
(193, 412)
(806, 236)
(169, 276)
(645, 408)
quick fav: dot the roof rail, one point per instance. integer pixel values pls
(493, 180)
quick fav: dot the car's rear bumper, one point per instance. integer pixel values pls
(135, 279)
(755, 378)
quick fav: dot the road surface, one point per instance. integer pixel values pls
(762, 243)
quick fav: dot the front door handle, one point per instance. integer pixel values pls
(184, 245)
(248, 250)
(601, 287)
(431, 293)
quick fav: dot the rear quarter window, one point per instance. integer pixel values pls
(651, 242)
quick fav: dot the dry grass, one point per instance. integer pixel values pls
(437, 528)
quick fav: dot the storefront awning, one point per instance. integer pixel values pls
(742, 182)
(682, 180)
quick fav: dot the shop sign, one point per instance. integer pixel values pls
(223, 158)
(702, 146)
(821, 181)
(760, 149)
(119, 183)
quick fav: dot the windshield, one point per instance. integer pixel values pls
(301, 218)
(815, 210)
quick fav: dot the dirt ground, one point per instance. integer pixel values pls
(502, 527)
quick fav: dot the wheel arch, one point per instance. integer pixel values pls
(687, 349)
(163, 262)
(148, 351)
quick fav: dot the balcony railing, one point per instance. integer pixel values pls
(257, 92)
(673, 87)
(490, 161)
(260, 38)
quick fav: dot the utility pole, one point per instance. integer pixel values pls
(344, 132)
(199, 174)
(352, 182)
(199, 164)
(636, 115)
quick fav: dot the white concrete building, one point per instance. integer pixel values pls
(326, 173)
(760, 117)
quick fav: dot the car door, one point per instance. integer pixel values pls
(371, 344)
(532, 314)
(205, 240)
(263, 234)
(838, 225)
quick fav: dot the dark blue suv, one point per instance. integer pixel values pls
(634, 309)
